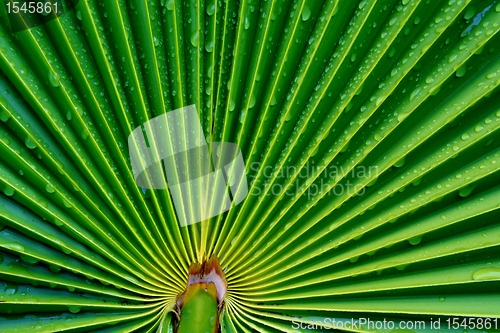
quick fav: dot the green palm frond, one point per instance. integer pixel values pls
(370, 133)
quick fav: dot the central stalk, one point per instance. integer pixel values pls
(200, 304)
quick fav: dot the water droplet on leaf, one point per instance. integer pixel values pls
(30, 143)
(306, 13)
(49, 188)
(54, 81)
(490, 273)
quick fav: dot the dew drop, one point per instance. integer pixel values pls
(232, 105)
(414, 94)
(195, 38)
(170, 4)
(30, 143)
(466, 191)
(54, 81)
(9, 191)
(379, 100)
(13, 247)
(49, 188)
(4, 115)
(209, 46)
(273, 100)
(461, 71)
(208, 90)
(10, 289)
(400, 163)
(402, 116)
(252, 101)
(415, 240)
(491, 75)
(74, 308)
(490, 273)
(469, 13)
(401, 267)
(211, 9)
(306, 13)
(434, 90)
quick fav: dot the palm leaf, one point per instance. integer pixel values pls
(370, 133)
